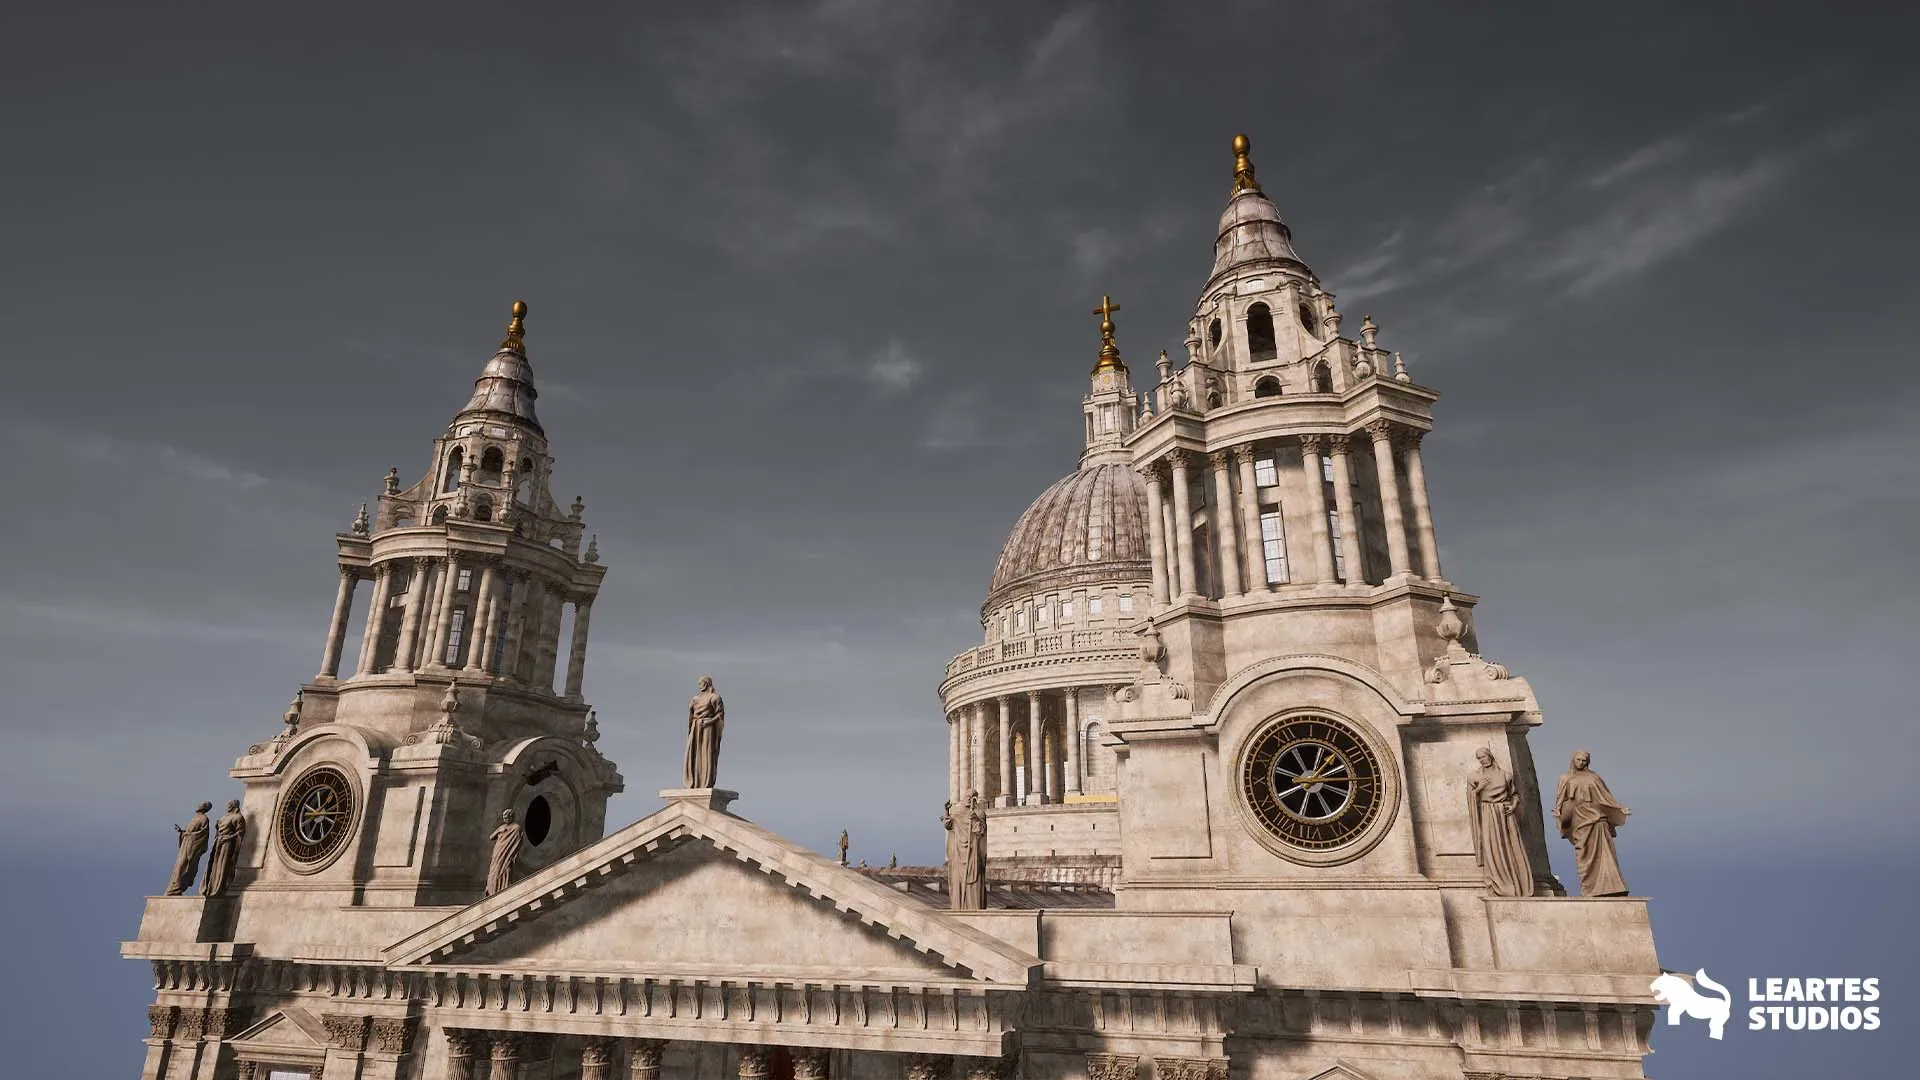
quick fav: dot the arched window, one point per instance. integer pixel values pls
(523, 482)
(1322, 378)
(1260, 344)
(1213, 334)
(440, 514)
(491, 464)
(539, 820)
(1307, 320)
(1267, 387)
(483, 509)
(452, 479)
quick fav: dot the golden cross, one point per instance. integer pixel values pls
(1105, 311)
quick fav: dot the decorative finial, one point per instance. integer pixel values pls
(1165, 365)
(1369, 331)
(393, 481)
(1450, 626)
(579, 507)
(1109, 352)
(593, 549)
(360, 525)
(590, 734)
(292, 718)
(1243, 165)
(1400, 370)
(517, 329)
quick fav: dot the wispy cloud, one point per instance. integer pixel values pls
(893, 370)
(98, 620)
(122, 453)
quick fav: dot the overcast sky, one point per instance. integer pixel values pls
(810, 290)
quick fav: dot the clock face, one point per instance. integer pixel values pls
(1312, 782)
(316, 815)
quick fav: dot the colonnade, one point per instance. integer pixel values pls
(501, 1055)
(500, 620)
(1234, 513)
(1027, 778)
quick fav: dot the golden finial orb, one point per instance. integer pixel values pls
(1243, 165)
(516, 330)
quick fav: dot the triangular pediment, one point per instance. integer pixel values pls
(694, 892)
(292, 1033)
(1340, 1071)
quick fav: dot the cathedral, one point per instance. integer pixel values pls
(1232, 793)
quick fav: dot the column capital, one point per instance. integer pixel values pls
(465, 1042)
(1119, 1067)
(753, 1062)
(1337, 443)
(1154, 471)
(1219, 459)
(346, 1032)
(643, 1057)
(1243, 453)
(1178, 459)
(420, 562)
(1409, 437)
(1312, 443)
(393, 1034)
(351, 573)
(1381, 430)
(929, 1067)
(809, 1063)
(596, 1052)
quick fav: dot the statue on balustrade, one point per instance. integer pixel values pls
(503, 849)
(1588, 815)
(227, 834)
(706, 716)
(1493, 805)
(193, 844)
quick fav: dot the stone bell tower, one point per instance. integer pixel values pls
(390, 773)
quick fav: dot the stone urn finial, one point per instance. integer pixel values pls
(590, 732)
(393, 481)
(360, 523)
(593, 549)
(1450, 626)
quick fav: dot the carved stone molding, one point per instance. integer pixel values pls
(191, 1024)
(1122, 1067)
(505, 1048)
(596, 1053)
(810, 1064)
(929, 1067)
(346, 1032)
(1381, 430)
(463, 1043)
(160, 1020)
(753, 1062)
(222, 1022)
(1312, 444)
(1154, 471)
(1220, 459)
(1178, 460)
(1337, 444)
(1218, 1068)
(1408, 438)
(1243, 453)
(1188, 1068)
(393, 1034)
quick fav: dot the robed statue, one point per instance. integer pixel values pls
(966, 855)
(843, 847)
(227, 834)
(1499, 849)
(1588, 815)
(502, 849)
(193, 844)
(706, 715)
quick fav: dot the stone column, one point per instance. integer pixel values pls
(643, 1058)
(1229, 538)
(1173, 551)
(596, 1059)
(977, 749)
(1356, 563)
(810, 1063)
(337, 627)
(1422, 508)
(1005, 798)
(954, 764)
(1183, 522)
(463, 1047)
(376, 617)
(423, 651)
(410, 623)
(1157, 535)
(577, 652)
(753, 1062)
(549, 637)
(1070, 734)
(481, 613)
(506, 1056)
(443, 622)
(1314, 475)
(516, 626)
(1250, 519)
(1396, 522)
(1036, 755)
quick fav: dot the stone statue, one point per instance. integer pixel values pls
(1493, 806)
(706, 716)
(227, 834)
(843, 847)
(504, 848)
(967, 855)
(193, 844)
(1588, 816)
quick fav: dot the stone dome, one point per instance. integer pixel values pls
(1089, 528)
(1251, 232)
